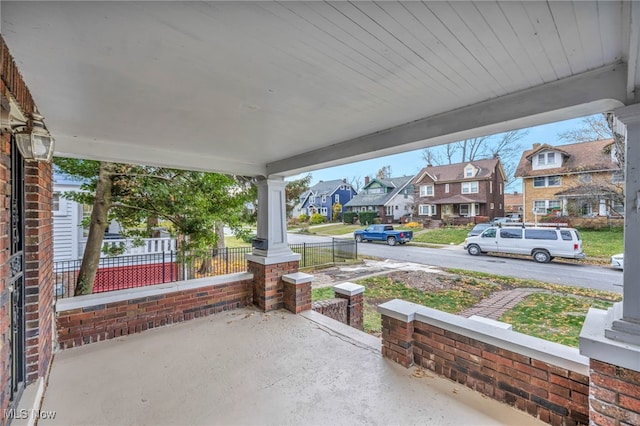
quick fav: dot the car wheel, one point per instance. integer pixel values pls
(359, 238)
(391, 241)
(474, 250)
(541, 256)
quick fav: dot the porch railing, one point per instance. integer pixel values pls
(122, 272)
(128, 246)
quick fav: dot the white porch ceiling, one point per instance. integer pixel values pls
(263, 88)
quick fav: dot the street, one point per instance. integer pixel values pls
(575, 274)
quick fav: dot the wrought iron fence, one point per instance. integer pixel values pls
(121, 272)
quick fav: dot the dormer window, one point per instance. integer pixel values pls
(469, 171)
(547, 160)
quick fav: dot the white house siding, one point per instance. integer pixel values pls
(405, 205)
(66, 226)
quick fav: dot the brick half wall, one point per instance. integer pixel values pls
(333, 308)
(86, 319)
(545, 379)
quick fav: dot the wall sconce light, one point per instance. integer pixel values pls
(33, 140)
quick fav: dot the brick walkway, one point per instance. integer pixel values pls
(498, 303)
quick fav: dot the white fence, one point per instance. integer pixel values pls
(131, 246)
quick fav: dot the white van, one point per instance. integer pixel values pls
(542, 243)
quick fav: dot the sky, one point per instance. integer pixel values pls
(410, 163)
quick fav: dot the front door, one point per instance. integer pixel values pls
(447, 210)
(16, 275)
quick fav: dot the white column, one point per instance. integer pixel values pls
(613, 336)
(272, 228)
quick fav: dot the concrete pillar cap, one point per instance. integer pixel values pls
(348, 289)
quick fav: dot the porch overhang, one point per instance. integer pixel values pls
(270, 88)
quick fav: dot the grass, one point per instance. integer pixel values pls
(442, 236)
(602, 243)
(553, 317)
(557, 314)
(231, 241)
(337, 229)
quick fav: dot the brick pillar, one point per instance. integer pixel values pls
(297, 292)
(268, 286)
(397, 330)
(354, 294)
(614, 395)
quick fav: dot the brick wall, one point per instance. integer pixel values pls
(614, 395)
(555, 395)
(38, 268)
(551, 383)
(38, 249)
(355, 309)
(268, 287)
(102, 320)
(333, 308)
(297, 298)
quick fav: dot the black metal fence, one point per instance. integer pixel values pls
(121, 272)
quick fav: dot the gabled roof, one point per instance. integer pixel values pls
(455, 172)
(364, 199)
(579, 157)
(321, 188)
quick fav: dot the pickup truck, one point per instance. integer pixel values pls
(383, 233)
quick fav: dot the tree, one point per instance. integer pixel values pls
(599, 127)
(505, 145)
(356, 183)
(384, 172)
(294, 189)
(195, 203)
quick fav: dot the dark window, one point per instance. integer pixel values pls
(566, 235)
(489, 233)
(388, 228)
(511, 233)
(540, 234)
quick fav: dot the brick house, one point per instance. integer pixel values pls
(392, 198)
(462, 190)
(513, 203)
(575, 180)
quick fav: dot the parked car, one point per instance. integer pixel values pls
(617, 261)
(477, 230)
(500, 220)
(542, 243)
(515, 217)
(383, 233)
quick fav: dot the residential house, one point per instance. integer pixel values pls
(462, 190)
(513, 203)
(392, 198)
(576, 180)
(321, 197)
(70, 235)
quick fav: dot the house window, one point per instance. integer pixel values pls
(446, 188)
(337, 199)
(501, 189)
(617, 176)
(427, 210)
(546, 206)
(545, 181)
(55, 202)
(500, 206)
(426, 190)
(470, 187)
(324, 211)
(388, 210)
(469, 171)
(490, 187)
(541, 159)
(491, 206)
(551, 158)
(584, 178)
(548, 158)
(464, 209)
(324, 198)
(586, 209)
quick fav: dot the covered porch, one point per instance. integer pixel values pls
(269, 90)
(248, 367)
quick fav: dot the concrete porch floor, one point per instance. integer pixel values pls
(250, 368)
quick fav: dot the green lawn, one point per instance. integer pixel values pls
(554, 317)
(337, 229)
(442, 236)
(603, 243)
(557, 314)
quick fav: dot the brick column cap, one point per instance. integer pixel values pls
(274, 260)
(399, 309)
(298, 278)
(348, 289)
